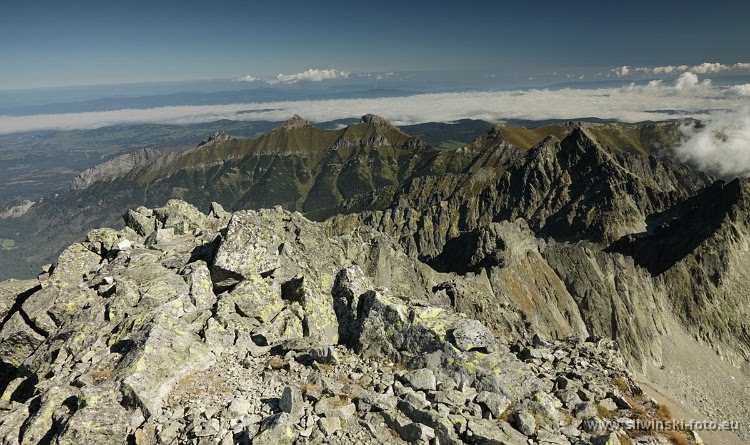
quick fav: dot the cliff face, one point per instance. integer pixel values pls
(257, 327)
(114, 168)
(698, 251)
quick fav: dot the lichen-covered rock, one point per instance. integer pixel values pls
(18, 340)
(272, 331)
(249, 249)
(472, 334)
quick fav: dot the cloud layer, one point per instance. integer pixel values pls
(703, 68)
(722, 146)
(688, 96)
(248, 78)
(311, 75)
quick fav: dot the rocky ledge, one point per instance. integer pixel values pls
(256, 327)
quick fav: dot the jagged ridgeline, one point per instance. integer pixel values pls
(298, 166)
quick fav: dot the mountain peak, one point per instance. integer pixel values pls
(496, 129)
(295, 121)
(378, 121)
(582, 137)
(216, 138)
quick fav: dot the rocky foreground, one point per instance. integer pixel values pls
(257, 327)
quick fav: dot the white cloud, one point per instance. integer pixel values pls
(668, 69)
(740, 90)
(248, 78)
(621, 71)
(703, 68)
(690, 80)
(311, 75)
(684, 83)
(633, 103)
(722, 146)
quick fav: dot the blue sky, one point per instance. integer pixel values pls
(54, 43)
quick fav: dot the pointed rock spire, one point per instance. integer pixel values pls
(295, 121)
(378, 121)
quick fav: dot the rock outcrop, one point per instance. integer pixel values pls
(216, 138)
(114, 168)
(257, 327)
(17, 210)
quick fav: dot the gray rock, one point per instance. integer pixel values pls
(482, 431)
(451, 397)
(335, 407)
(444, 430)
(291, 401)
(417, 399)
(607, 439)
(325, 354)
(416, 433)
(495, 403)
(546, 437)
(421, 379)
(544, 408)
(473, 335)
(277, 429)
(585, 410)
(239, 407)
(524, 422)
(329, 425)
(137, 342)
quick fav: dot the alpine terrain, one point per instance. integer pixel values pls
(558, 284)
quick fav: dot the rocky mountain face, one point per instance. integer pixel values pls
(114, 168)
(699, 251)
(17, 211)
(569, 190)
(257, 327)
(296, 165)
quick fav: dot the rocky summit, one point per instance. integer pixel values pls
(260, 327)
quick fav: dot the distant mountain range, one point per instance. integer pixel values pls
(296, 165)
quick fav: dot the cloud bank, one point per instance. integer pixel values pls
(248, 78)
(686, 82)
(722, 146)
(703, 68)
(741, 90)
(687, 97)
(311, 75)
